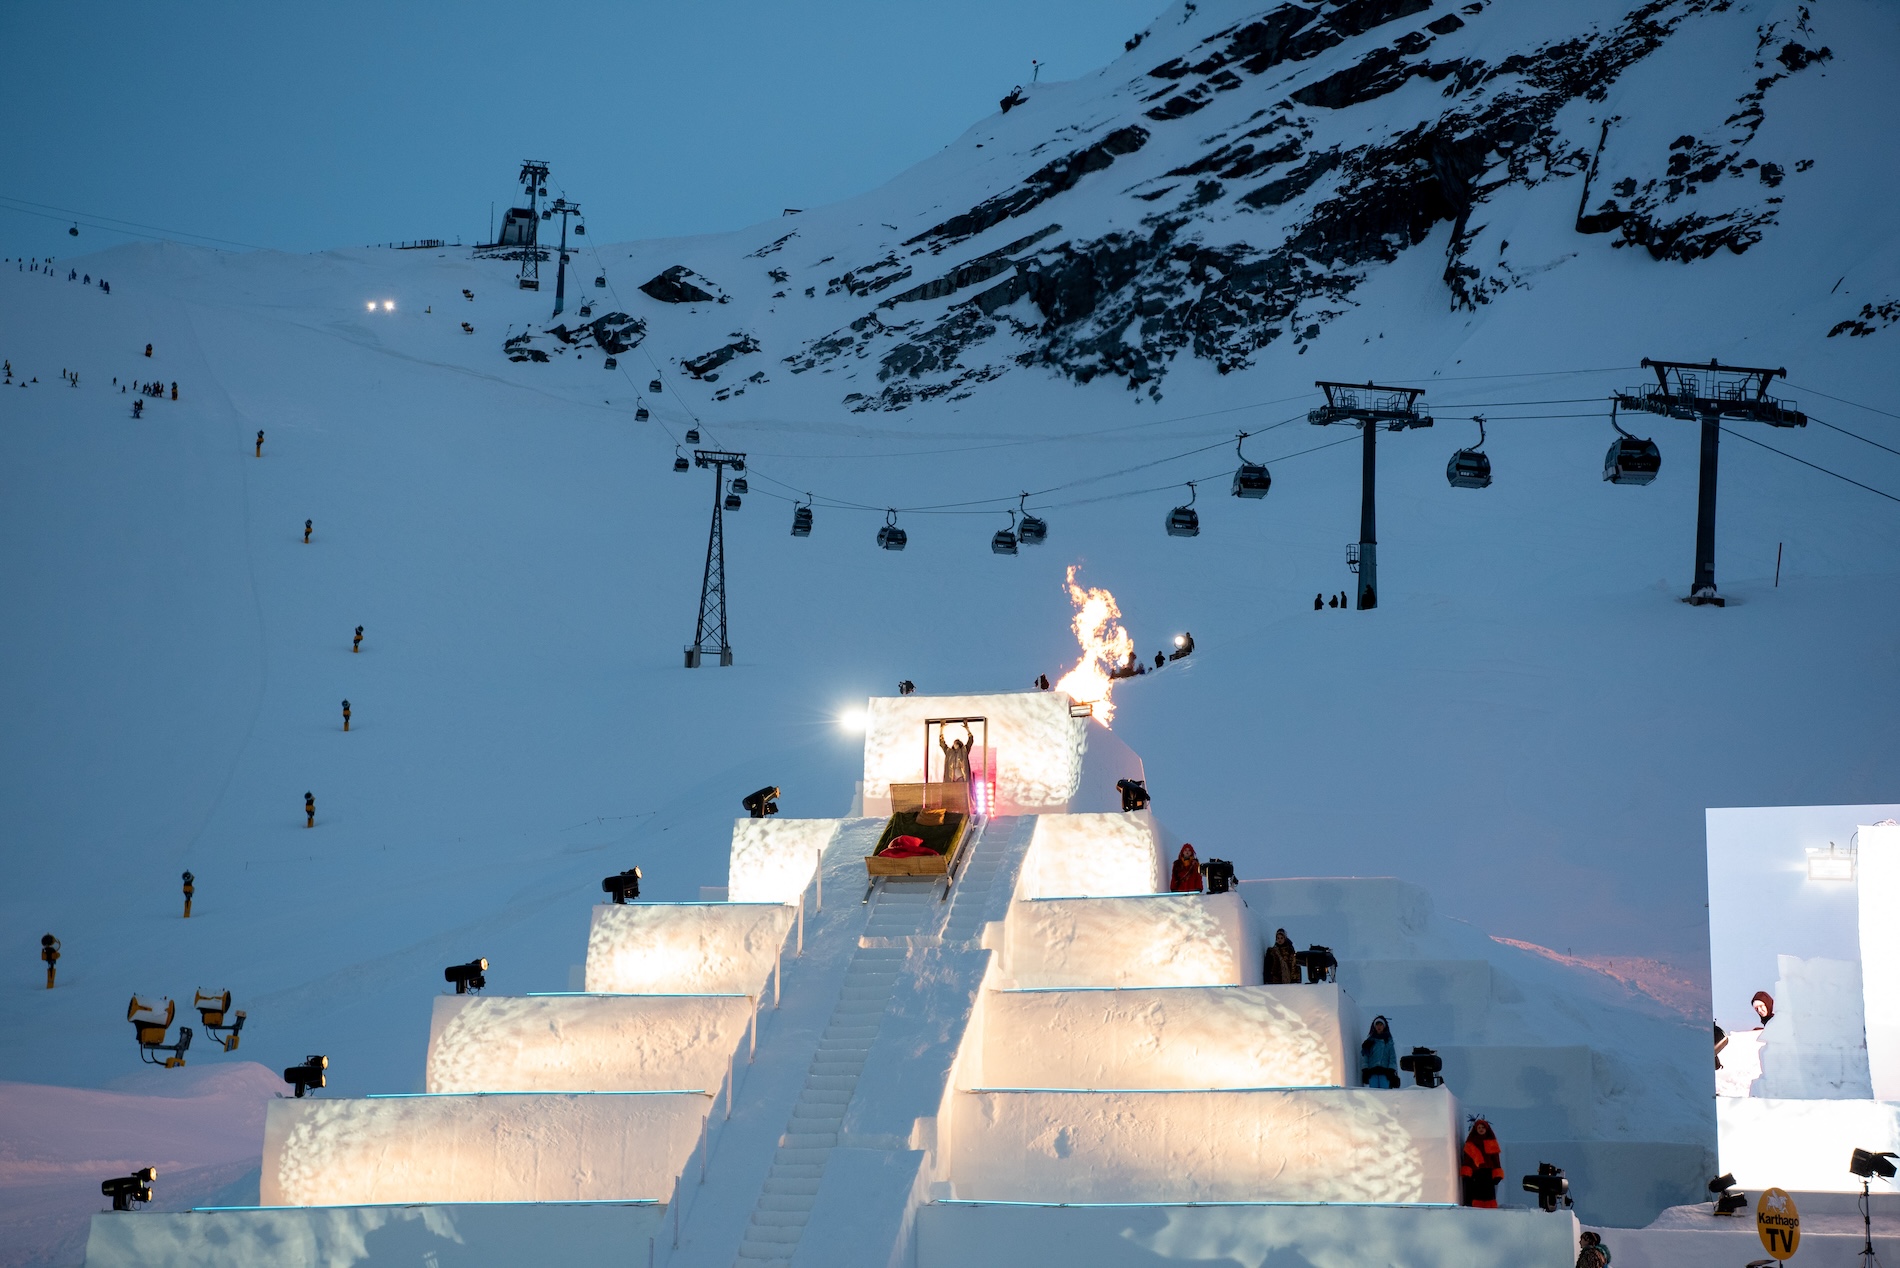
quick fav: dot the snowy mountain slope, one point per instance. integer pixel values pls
(1530, 724)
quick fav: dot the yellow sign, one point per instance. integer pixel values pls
(1778, 1223)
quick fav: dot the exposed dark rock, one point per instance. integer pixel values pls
(612, 333)
(677, 285)
(1872, 317)
(981, 269)
(1796, 57)
(520, 348)
(703, 367)
(1445, 25)
(1043, 184)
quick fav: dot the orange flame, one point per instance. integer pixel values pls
(1105, 646)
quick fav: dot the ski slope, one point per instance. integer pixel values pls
(1530, 725)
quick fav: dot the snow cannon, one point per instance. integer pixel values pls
(127, 1192)
(149, 1024)
(622, 886)
(49, 952)
(309, 1075)
(214, 1010)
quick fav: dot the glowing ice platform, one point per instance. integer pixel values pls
(584, 1043)
(1170, 1037)
(1155, 940)
(1011, 1235)
(497, 1235)
(1296, 1145)
(506, 1147)
(685, 948)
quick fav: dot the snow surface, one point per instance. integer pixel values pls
(1531, 724)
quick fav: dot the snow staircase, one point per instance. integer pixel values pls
(900, 910)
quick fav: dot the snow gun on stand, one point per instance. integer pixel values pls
(219, 1021)
(149, 1024)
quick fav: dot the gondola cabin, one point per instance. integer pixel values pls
(1003, 543)
(801, 521)
(1632, 461)
(1184, 521)
(1468, 469)
(1032, 531)
(891, 537)
(1251, 480)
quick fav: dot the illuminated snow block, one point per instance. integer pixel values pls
(1303, 1145)
(1044, 761)
(1879, 884)
(1799, 1145)
(503, 1235)
(1092, 856)
(531, 1147)
(1159, 940)
(685, 948)
(955, 1235)
(1183, 1037)
(583, 1043)
(1816, 1046)
(774, 859)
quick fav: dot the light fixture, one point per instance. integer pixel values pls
(1831, 864)
(622, 885)
(128, 1191)
(467, 977)
(372, 305)
(309, 1074)
(852, 720)
(1728, 1201)
(1866, 1164)
(1423, 1064)
(761, 803)
(389, 305)
(1134, 794)
(1550, 1186)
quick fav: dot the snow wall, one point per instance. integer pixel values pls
(685, 948)
(773, 860)
(1044, 761)
(1158, 940)
(956, 1234)
(1179, 1038)
(1879, 876)
(504, 1148)
(451, 1236)
(584, 1043)
(1304, 1145)
(1801, 1145)
(1098, 855)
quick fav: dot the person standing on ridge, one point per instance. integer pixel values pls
(306, 532)
(346, 716)
(1317, 605)
(1283, 962)
(356, 644)
(148, 349)
(1480, 1169)
(1186, 876)
(138, 409)
(309, 810)
(174, 389)
(260, 442)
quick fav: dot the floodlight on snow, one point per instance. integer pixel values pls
(129, 1191)
(1134, 794)
(1550, 1186)
(622, 885)
(1423, 1064)
(309, 1075)
(1866, 1164)
(1728, 1200)
(761, 803)
(1831, 864)
(852, 720)
(467, 977)
(389, 305)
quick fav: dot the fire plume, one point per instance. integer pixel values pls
(1105, 646)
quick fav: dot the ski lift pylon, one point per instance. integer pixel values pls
(1251, 479)
(1184, 521)
(1470, 468)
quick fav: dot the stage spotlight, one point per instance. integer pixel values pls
(1550, 1186)
(1219, 874)
(761, 803)
(1867, 1164)
(467, 977)
(1831, 864)
(129, 1191)
(622, 886)
(1134, 794)
(1318, 962)
(309, 1074)
(1423, 1065)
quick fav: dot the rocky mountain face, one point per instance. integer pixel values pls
(1236, 180)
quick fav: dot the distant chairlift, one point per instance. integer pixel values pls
(801, 518)
(1630, 460)
(1251, 479)
(1469, 468)
(1032, 530)
(891, 537)
(600, 282)
(1184, 521)
(149, 1024)
(1004, 541)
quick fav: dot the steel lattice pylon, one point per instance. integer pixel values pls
(710, 634)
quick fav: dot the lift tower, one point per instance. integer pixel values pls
(710, 635)
(1368, 407)
(534, 178)
(562, 208)
(1710, 393)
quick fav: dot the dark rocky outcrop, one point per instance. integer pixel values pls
(612, 333)
(680, 285)
(706, 365)
(1043, 184)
